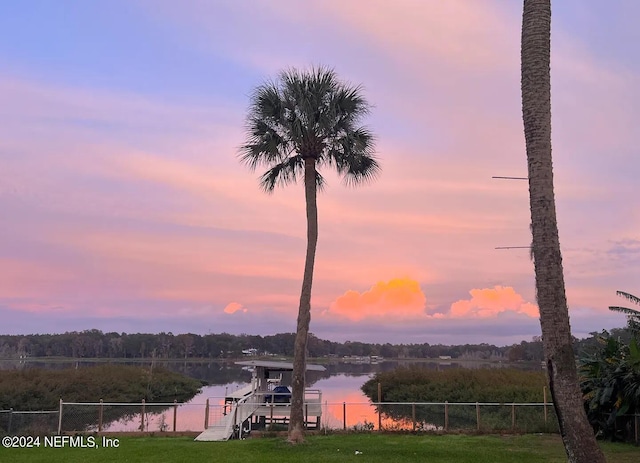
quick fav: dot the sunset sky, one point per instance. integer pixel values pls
(124, 208)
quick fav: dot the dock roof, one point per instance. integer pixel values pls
(277, 366)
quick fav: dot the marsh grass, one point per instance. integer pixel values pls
(41, 389)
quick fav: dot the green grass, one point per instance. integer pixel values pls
(387, 448)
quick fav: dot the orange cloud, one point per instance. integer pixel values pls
(489, 302)
(397, 298)
(234, 307)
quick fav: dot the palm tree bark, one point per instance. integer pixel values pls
(296, 421)
(577, 434)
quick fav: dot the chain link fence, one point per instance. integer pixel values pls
(349, 416)
(441, 417)
(28, 422)
(131, 417)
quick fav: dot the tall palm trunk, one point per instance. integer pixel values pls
(577, 434)
(296, 421)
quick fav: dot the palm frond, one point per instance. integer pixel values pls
(265, 146)
(353, 157)
(626, 311)
(283, 173)
(633, 316)
(321, 183)
(629, 297)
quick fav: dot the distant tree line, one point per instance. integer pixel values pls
(96, 344)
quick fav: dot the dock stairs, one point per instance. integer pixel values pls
(223, 429)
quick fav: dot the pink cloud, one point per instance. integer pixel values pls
(234, 307)
(489, 302)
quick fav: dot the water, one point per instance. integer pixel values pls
(344, 404)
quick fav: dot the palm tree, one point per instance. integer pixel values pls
(577, 434)
(611, 386)
(295, 125)
(633, 316)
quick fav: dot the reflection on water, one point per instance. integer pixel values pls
(340, 384)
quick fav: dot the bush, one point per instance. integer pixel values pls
(41, 389)
(415, 384)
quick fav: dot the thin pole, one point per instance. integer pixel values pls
(544, 393)
(446, 415)
(60, 418)
(206, 414)
(413, 415)
(379, 406)
(142, 416)
(478, 415)
(513, 416)
(344, 416)
(100, 415)
(175, 414)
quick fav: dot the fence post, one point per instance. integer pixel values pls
(100, 415)
(544, 394)
(142, 416)
(478, 415)
(446, 415)
(513, 416)
(637, 416)
(10, 419)
(175, 413)
(413, 415)
(60, 418)
(379, 406)
(206, 415)
(306, 416)
(344, 416)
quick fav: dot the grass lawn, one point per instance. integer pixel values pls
(387, 448)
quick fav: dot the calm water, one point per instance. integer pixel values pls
(339, 384)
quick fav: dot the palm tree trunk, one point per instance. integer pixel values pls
(296, 421)
(577, 434)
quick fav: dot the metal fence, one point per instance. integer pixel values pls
(401, 416)
(442, 417)
(28, 422)
(130, 417)
(349, 416)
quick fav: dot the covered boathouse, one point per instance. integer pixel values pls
(260, 404)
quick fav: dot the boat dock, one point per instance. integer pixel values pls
(258, 406)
